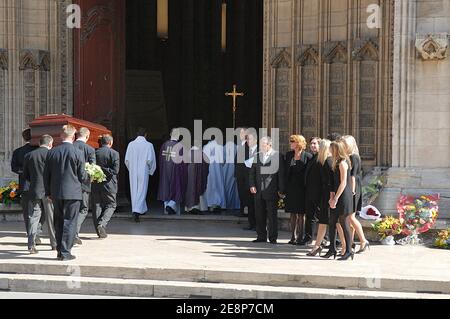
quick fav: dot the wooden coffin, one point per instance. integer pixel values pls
(51, 124)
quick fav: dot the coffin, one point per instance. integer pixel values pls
(51, 124)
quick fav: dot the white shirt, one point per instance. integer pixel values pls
(267, 155)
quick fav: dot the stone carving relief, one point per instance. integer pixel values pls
(366, 50)
(432, 46)
(336, 52)
(309, 57)
(282, 60)
(34, 65)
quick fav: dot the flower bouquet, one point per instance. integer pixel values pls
(443, 239)
(8, 194)
(281, 204)
(95, 173)
(371, 191)
(388, 227)
(417, 215)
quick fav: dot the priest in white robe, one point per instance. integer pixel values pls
(230, 184)
(215, 190)
(140, 160)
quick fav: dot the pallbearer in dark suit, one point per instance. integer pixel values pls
(267, 184)
(313, 190)
(33, 173)
(89, 157)
(356, 175)
(104, 194)
(17, 160)
(64, 174)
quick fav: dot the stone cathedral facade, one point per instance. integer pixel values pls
(324, 71)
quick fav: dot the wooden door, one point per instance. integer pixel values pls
(99, 63)
(99, 69)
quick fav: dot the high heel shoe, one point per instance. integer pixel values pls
(347, 256)
(314, 252)
(329, 254)
(366, 246)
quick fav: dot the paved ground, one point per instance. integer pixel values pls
(24, 295)
(220, 246)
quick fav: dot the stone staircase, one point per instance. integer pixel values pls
(204, 284)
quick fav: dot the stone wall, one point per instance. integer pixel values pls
(421, 108)
(35, 68)
(326, 71)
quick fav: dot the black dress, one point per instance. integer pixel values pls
(327, 182)
(345, 202)
(357, 173)
(295, 182)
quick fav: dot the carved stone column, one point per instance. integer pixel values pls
(404, 66)
(3, 70)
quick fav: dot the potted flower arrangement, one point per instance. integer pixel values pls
(387, 228)
(417, 215)
(443, 239)
(9, 195)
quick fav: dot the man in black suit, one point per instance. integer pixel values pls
(104, 195)
(64, 174)
(267, 185)
(313, 191)
(33, 173)
(89, 157)
(242, 173)
(17, 160)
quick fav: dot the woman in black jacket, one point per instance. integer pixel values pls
(296, 161)
(325, 162)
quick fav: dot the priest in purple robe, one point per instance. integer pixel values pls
(198, 171)
(172, 175)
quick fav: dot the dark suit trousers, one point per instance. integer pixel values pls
(84, 210)
(266, 218)
(312, 211)
(66, 217)
(24, 202)
(104, 206)
(246, 199)
(34, 211)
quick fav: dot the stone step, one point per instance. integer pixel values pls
(305, 280)
(180, 289)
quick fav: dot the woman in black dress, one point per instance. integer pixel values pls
(296, 161)
(356, 174)
(325, 162)
(342, 202)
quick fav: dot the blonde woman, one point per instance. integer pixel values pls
(356, 172)
(325, 163)
(342, 202)
(296, 161)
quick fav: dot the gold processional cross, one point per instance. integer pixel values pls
(235, 95)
